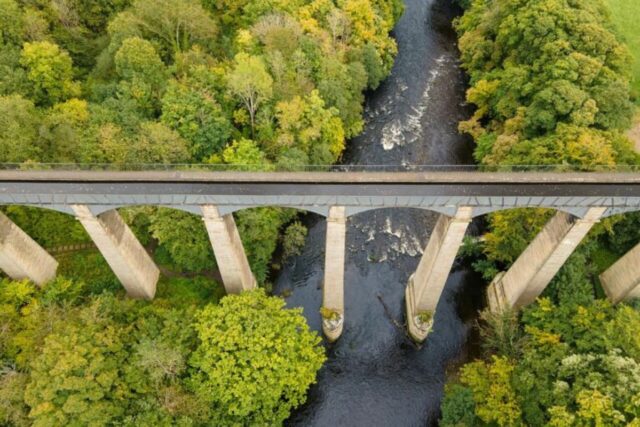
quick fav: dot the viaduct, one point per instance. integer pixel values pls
(579, 199)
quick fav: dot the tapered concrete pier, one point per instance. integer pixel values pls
(621, 281)
(541, 260)
(228, 250)
(333, 286)
(123, 252)
(21, 257)
(426, 284)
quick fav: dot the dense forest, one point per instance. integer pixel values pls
(277, 85)
(551, 83)
(250, 83)
(258, 84)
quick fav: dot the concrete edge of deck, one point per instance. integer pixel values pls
(458, 177)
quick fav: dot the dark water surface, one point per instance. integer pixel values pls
(375, 375)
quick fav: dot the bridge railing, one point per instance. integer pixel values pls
(130, 167)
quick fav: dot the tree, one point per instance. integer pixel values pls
(578, 366)
(77, 377)
(62, 134)
(197, 117)
(49, 72)
(13, 410)
(307, 125)
(254, 360)
(184, 237)
(19, 122)
(259, 229)
(47, 227)
(495, 399)
(143, 74)
(246, 154)
(150, 143)
(512, 231)
(13, 78)
(293, 240)
(156, 143)
(96, 14)
(173, 25)
(340, 86)
(10, 22)
(250, 81)
(458, 407)
(557, 60)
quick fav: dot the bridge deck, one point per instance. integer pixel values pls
(317, 191)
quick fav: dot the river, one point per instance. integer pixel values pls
(375, 375)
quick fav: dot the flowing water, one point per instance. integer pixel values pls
(375, 375)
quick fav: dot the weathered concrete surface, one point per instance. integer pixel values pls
(621, 281)
(441, 192)
(541, 260)
(333, 286)
(425, 286)
(228, 250)
(21, 257)
(123, 252)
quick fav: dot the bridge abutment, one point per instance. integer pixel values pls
(621, 281)
(228, 250)
(541, 260)
(121, 249)
(21, 257)
(426, 284)
(333, 286)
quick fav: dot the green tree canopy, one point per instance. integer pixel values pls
(19, 122)
(143, 74)
(251, 83)
(194, 113)
(49, 72)
(578, 366)
(255, 360)
(538, 65)
(172, 25)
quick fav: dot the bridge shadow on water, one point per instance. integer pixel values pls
(375, 375)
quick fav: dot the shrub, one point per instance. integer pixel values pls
(293, 240)
(458, 407)
(501, 333)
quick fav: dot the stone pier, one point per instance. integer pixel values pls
(333, 286)
(123, 252)
(21, 257)
(426, 284)
(228, 250)
(621, 281)
(541, 260)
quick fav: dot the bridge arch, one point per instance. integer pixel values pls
(578, 211)
(323, 211)
(353, 211)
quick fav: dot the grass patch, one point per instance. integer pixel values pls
(626, 17)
